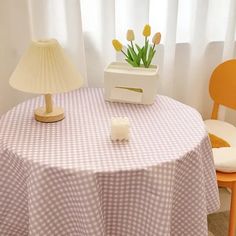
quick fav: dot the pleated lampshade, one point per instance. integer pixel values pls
(45, 69)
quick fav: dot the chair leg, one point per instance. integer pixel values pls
(232, 218)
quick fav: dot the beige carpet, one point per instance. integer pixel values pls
(210, 234)
(218, 223)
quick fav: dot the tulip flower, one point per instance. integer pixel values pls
(156, 38)
(130, 35)
(117, 45)
(147, 30)
(135, 54)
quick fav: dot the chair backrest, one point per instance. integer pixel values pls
(222, 86)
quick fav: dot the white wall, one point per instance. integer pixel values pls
(14, 38)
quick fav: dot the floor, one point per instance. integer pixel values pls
(218, 222)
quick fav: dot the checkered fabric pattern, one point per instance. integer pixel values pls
(69, 179)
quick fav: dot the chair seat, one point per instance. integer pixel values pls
(224, 157)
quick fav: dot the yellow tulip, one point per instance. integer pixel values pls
(156, 38)
(130, 35)
(147, 30)
(117, 45)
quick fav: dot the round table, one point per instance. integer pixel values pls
(68, 178)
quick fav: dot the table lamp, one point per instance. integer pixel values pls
(46, 69)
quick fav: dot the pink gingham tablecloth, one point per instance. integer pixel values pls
(68, 178)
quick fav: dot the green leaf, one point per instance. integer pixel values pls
(133, 53)
(139, 57)
(138, 47)
(131, 62)
(151, 57)
(150, 53)
(129, 54)
(144, 54)
(139, 54)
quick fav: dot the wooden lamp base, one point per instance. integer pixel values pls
(41, 115)
(49, 114)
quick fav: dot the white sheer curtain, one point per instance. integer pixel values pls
(197, 35)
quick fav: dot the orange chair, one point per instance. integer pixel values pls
(222, 88)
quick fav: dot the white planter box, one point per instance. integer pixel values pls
(119, 77)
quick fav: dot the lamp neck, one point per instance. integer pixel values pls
(48, 102)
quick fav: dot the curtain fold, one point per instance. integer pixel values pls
(197, 78)
(230, 32)
(98, 31)
(170, 47)
(196, 36)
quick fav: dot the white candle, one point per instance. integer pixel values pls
(120, 128)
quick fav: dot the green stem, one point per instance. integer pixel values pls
(153, 46)
(132, 45)
(124, 53)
